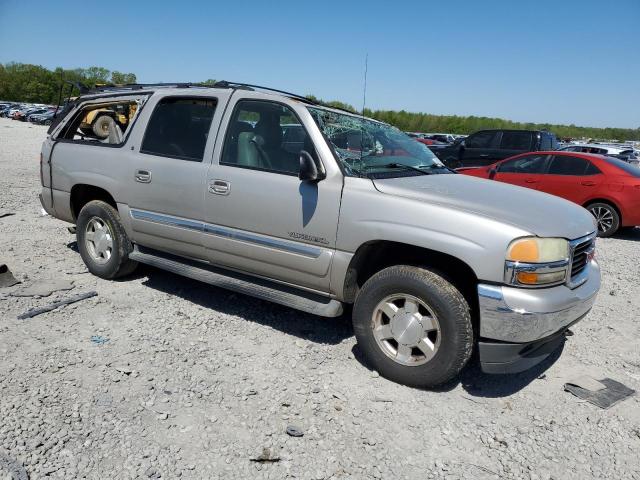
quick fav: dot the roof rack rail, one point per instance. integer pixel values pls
(141, 86)
(219, 84)
(237, 85)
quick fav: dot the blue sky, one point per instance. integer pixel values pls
(572, 61)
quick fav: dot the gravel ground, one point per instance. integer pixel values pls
(195, 382)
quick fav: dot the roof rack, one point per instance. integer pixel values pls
(219, 84)
(140, 86)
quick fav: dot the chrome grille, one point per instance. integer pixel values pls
(580, 257)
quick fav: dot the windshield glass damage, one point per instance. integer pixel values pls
(367, 148)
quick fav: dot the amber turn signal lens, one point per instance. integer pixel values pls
(528, 278)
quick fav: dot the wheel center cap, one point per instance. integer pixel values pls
(406, 329)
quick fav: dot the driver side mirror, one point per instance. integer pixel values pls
(309, 171)
(492, 173)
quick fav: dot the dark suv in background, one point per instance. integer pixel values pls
(485, 147)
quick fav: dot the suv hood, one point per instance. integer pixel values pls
(538, 213)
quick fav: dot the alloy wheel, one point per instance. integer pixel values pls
(98, 239)
(406, 329)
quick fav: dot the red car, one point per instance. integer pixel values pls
(606, 186)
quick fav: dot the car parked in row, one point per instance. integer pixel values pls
(623, 153)
(485, 147)
(606, 186)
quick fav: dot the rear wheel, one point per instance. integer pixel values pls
(413, 326)
(606, 217)
(102, 242)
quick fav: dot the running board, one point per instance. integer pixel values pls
(255, 287)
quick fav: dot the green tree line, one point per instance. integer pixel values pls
(33, 83)
(24, 82)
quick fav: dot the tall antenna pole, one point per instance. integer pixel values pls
(364, 95)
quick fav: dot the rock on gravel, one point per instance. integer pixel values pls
(195, 382)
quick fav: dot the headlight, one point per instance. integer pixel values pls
(536, 261)
(538, 250)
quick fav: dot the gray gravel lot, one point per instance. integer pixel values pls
(195, 382)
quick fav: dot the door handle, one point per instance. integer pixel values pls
(219, 187)
(588, 183)
(143, 176)
(530, 180)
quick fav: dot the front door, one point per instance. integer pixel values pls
(260, 218)
(168, 174)
(525, 171)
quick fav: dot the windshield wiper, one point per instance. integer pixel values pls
(401, 165)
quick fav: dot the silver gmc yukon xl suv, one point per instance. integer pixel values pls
(272, 195)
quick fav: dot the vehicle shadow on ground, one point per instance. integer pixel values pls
(631, 234)
(479, 384)
(293, 322)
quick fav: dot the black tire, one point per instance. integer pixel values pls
(118, 264)
(102, 125)
(446, 302)
(607, 218)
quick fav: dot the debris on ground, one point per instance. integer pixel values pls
(603, 393)
(99, 339)
(6, 214)
(44, 288)
(11, 469)
(294, 431)
(266, 456)
(6, 277)
(52, 306)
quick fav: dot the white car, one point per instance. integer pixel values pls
(623, 153)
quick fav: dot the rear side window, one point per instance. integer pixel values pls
(479, 140)
(567, 165)
(592, 169)
(179, 128)
(515, 141)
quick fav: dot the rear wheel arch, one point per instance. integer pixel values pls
(604, 200)
(81, 194)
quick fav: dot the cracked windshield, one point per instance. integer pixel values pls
(367, 148)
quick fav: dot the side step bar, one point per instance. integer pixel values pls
(255, 287)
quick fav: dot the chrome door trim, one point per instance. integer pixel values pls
(226, 232)
(166, 220)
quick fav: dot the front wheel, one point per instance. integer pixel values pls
(413, 326)
(607, 218)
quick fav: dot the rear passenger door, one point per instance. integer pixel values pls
(168, 165)
(573, 178)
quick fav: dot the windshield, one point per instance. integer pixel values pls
(366, 148)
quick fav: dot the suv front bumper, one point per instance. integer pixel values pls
(520, 327)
